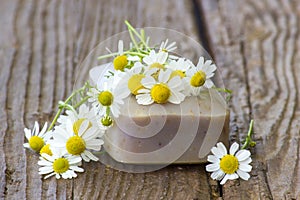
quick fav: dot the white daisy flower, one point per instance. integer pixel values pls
(59, 164)
(84, 113)
(167, 48)
(156, 60)
(107, 96)
(229, 166)
(200, 76)
(37, 139)
(179, 67)
(131, 81)
(163, 90)
(122, 60)
(78, 144)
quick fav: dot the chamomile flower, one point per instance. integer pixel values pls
(156, 60)
(131, 81)
(167, 48)
(36, 139)
(229, 166)
(122, 60)
(84, 113)
(162, 90)
(179, 67)
(78, 144)
(59, 164)
(107, 96)
(200, 76)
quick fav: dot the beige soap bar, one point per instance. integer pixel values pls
(168, 133)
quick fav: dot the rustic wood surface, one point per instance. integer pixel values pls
(255, 43)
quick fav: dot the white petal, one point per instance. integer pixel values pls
(60, 134)
(234, 147)
(47, 157)
(148, 81)
(26, 145)
(247, 161)
(90, 134)
(176, 97)
(36, 128)
(162, 57)
(44, 162)
(200, 62)
(90, 155)
(143, 91)
(84, 125)
(57, 176)
(85, 158)
(217, 175)
(217, 152)
(120, 47)
(69, 129)
(176, 82)
(94, 144)
(212, 167)
(213, 159)
(49, 175)
(76, 168)
(208, 83)
(242, 155)
(75, 160)
(27, 133)
(144, 99)
(222, 148)
(43, 131)
(45, 170)
(243, 175)
(164, 76)
(245, 167)
(229, 177)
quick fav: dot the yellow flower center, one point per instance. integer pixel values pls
(61, 165)
(157, 65)
(105, 98)
(179, 73)
(75, 145)
(36, 143)
(198, 79)
(77, 125)
(46, 149)
(134, 83)
(120, 62)
(229, 164)
(106, 121)
(160, 93)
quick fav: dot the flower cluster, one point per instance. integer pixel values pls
(63, 148)
(151, 75)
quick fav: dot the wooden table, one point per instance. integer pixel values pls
(255, 43)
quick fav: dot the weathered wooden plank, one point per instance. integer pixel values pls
(46, 42)
(256, 43)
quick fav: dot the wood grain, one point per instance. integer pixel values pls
(257, 45)
(42, 47)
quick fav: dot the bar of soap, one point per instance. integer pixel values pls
(168, 133)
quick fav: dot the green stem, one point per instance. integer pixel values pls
(133, 40)
(136, 33)
(136, 53)
(249, 141)
(65, 104)
(108, 56)
(81, 102)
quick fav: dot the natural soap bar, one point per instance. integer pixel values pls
(168, 133)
